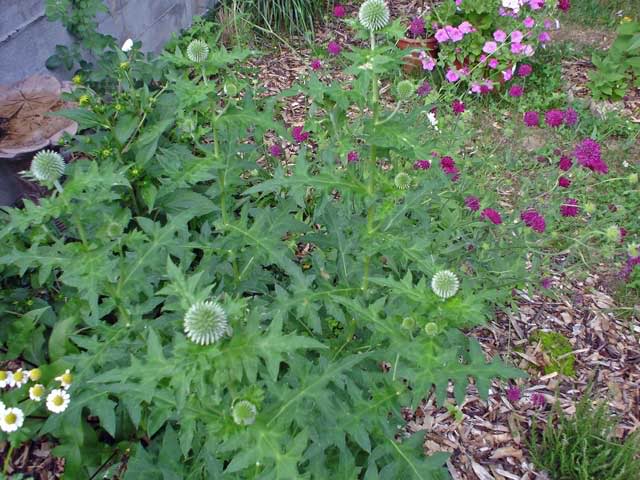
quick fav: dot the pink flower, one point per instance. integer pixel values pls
(516, 91)
(525, 70)
(334, 48)
(465, 27)
(493, 63)
(570, 117)
(536, 4)
(472, 203)
(416, 27)
(454, 33)
(499, 36)
(422, 165)
(533, 219)
(531, 119)
(441, 35)
(457, 107)
(448, 166)
(565, 163)
(352, 156)
(544, 37)
(516, 48)
(564, 5)
(513, 394)
(548, 23)
(491, 215)
(316, 65)
(529, 22)
(588, 155)
(569, 208)
(424, 89)
(516, 36)
(489, 47)
(538, 400)
(452, 76)
(528, 51)
(299, 135)
(564, 182)
(475, 88)
(507, 75)
(546, 283)
(554, 118)
(339, 11)
(428, 62)
(275, 150)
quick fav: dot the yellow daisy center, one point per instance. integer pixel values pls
(3, 375)
(10, 418)
(35, 374)
(58, 400)
(38, 391)
(67, 378)
(18, 376)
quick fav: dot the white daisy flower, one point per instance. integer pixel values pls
(445, 284)
(127, 45)
(35, 374)
(58, 400)
(4, 378)
(206, 322)
(18, 378)
(65, 379)
(36, 392)
(11, 419)
(3, 407)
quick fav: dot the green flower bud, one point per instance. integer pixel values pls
(431, 329)
(244, 412)
(230, 89)
(613, 233)
(590, 208)
(403, 181)
(408, 323)
(405, 89)
(198, 51)
(633, 178)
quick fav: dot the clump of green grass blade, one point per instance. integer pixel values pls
(583, 447)
(289, 16)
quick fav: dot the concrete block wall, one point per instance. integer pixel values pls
(27, 38)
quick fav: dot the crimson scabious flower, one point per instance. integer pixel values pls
(531, 119)
(334, 48)
(570, 117)
(316, 65)
(339, 11)
(525, 70)
(491, 215)
(416, 27)
(623, 233)
(533, 219)
(546, 283)
(554, 118)
(516, 91)
(422, 165)
(424, 89)
(588, 155)
(448, 166)
(472, 203)
(275, 150)
(299, 135)
(353, 157)
(627, 270)
(513, 394)
(565, 163)
(457, 106)
(569, 208)
(564, 5)
(564, 182)
(538, 400)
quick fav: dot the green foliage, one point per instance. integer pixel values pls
(583, 447)
(290, 16)
(618, 69)
(558, 348)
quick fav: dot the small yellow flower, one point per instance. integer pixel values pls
(11, 419)
(4, 378)
(35, 374)
(124, 65)
(58, 401)
(626, 20)
(118, 107)
(84, 100)
(106, 152)
(36, 392)
(77, 79)
(65, 379)
(19, 378)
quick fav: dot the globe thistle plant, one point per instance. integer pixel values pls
(198, 51)
(445, 284)
(405, 89)
(206, 322)
(47, 167)
(244, 412)
(374, 14)
(431, 329)
(403, 180)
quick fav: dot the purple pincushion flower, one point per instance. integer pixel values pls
(416, 27)
(424, 89)
(299, 135)
(513, 394)
(570, 117)
(353, 157)
(565, 163)
(525, 70)
(531, 119)
(569, 208)
(564, 182)
(492, 215)
(276, 150)
(588, 155)
(422, 165)
(316, 65)
(538, 400)
(472, 203)
(457, 106)
(554, 118)
(334, 48)
(516, 91)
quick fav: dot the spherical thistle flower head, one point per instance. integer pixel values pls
(431, 329)
(472, 203)
(405, 89)
(408, 323)
(554, 118)
(198, 51)
(457, 106)
(403, 181)
(244, 412)
(334, 49)
(58, 400)
(445, 284)
(531, 119)
(206, 323)
(19, 378)
(546, 283)
(564, 182)
(36, 392)
(525, 70)
(65, 379)
(339, 11)
(353, 157)
(47, 166)
(516, 91)
(569, 208)
(613, 233)
(11, 419)
(492, 215)
(565, 163)
(374, 14)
